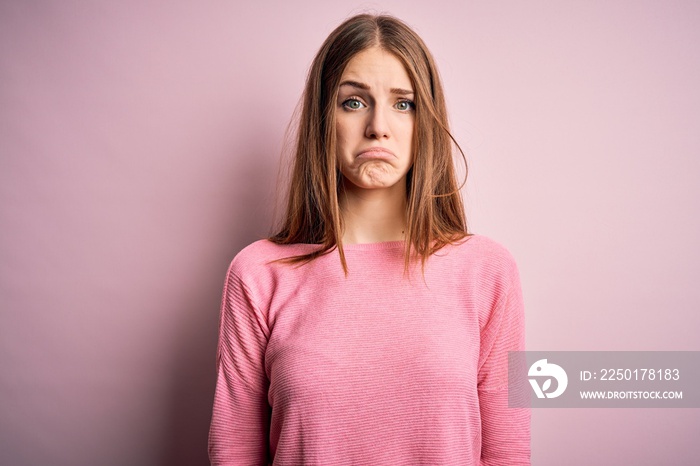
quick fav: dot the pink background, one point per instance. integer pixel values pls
(139, 149)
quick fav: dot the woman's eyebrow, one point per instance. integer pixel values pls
(356, 84)
(365, 87)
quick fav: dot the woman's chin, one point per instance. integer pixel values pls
(374, 183)
(375, 179)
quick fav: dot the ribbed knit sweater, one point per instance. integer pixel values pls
(376, 368)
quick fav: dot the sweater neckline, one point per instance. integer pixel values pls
(374, 246)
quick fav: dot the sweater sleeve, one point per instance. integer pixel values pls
(505, 432)
(239, 430)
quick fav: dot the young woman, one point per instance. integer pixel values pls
(372, 328)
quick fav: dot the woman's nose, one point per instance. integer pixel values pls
(377, 126)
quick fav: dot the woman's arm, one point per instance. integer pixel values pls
(239, 431)
(505, 432)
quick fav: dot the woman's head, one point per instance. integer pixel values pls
(374, 125)
(434, 209)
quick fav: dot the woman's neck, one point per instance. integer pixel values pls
(373, 215)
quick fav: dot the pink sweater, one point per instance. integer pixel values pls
(374, 369)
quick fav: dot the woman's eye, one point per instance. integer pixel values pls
(405, 105)
(353, 104)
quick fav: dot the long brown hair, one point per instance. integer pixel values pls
(435, 214)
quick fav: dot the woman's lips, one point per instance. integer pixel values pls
(376, 153)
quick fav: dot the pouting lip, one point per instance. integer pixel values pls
(376, 153)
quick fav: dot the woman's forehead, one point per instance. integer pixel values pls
(376, 67)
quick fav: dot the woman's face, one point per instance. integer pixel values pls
(375, 115)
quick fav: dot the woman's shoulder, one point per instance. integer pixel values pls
(483, 257)
(484, 262)
(257, 268)
(258, 256)
(479, 246)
